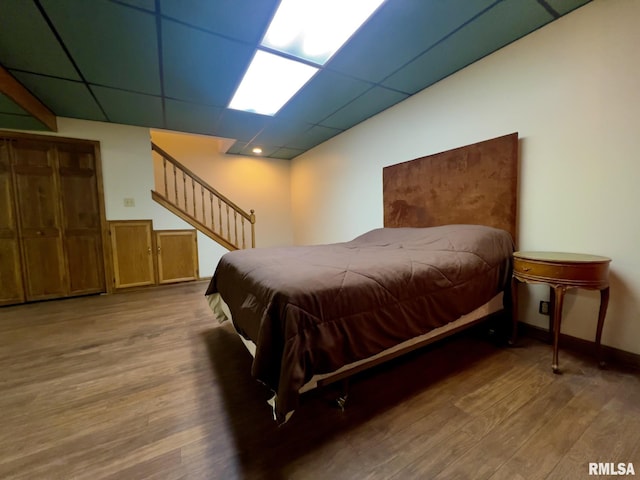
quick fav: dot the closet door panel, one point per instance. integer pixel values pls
(81, 218)
(85, 265)
(11, 289)
(45, 272)
(39, 220)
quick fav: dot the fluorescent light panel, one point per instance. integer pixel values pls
(315, 29)
(309, 29)
(269, 83)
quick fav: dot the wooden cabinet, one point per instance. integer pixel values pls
(143, 256)
(51, 217)
(132, 249)
(177, 255)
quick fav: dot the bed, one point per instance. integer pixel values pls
(314, 314)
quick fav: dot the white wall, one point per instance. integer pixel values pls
(571, 91)
(126, 166)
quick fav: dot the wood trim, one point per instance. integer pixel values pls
(107, 254)
(12, 135)
(584, 347)
(13, 89)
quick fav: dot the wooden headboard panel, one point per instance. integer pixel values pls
(476, 184)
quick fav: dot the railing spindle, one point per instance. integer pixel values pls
(175, 185)
(184, 189)
(193, 197)
(228, 223)
(235, 227)
(204, 217)
(220, 214)
(213, 225)
(244, 245)
(164, 169)
(252, 219)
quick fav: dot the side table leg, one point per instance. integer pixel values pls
(514, 311)
(557, 320)
(604, 303)
(552, 306)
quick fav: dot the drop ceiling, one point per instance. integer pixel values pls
(175, 64)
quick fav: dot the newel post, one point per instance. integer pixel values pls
(252, 219)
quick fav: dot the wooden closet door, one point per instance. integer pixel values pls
(11, 289)
(81, 218)
(177, 255)
(131, 245)
(39, 220)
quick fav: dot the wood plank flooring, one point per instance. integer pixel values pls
(145, 385)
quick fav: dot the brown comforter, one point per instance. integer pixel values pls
(313, 309)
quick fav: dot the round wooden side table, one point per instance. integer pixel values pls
(561, 271)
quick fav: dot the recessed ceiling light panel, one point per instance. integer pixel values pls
(315, 29)
(269, 83)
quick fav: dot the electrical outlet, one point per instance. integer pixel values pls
(543, 309)
(129, 202)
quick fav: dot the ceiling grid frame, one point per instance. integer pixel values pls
(346, 91)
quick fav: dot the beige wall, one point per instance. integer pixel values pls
(571, 91)
(261, 184)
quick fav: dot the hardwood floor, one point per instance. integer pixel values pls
(145, 385)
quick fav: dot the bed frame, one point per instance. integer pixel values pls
(474, 184)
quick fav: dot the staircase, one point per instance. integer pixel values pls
(189, 197)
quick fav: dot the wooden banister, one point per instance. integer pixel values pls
(189, 173)
(201, 214)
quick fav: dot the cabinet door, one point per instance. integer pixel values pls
(81, 218)
(177, 255)
(39, 220)
(132, 254)
(11, 289)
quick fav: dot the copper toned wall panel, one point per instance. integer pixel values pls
(475, 184)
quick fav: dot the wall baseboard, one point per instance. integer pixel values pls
(585, 347)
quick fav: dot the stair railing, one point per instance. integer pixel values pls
(198, 200)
